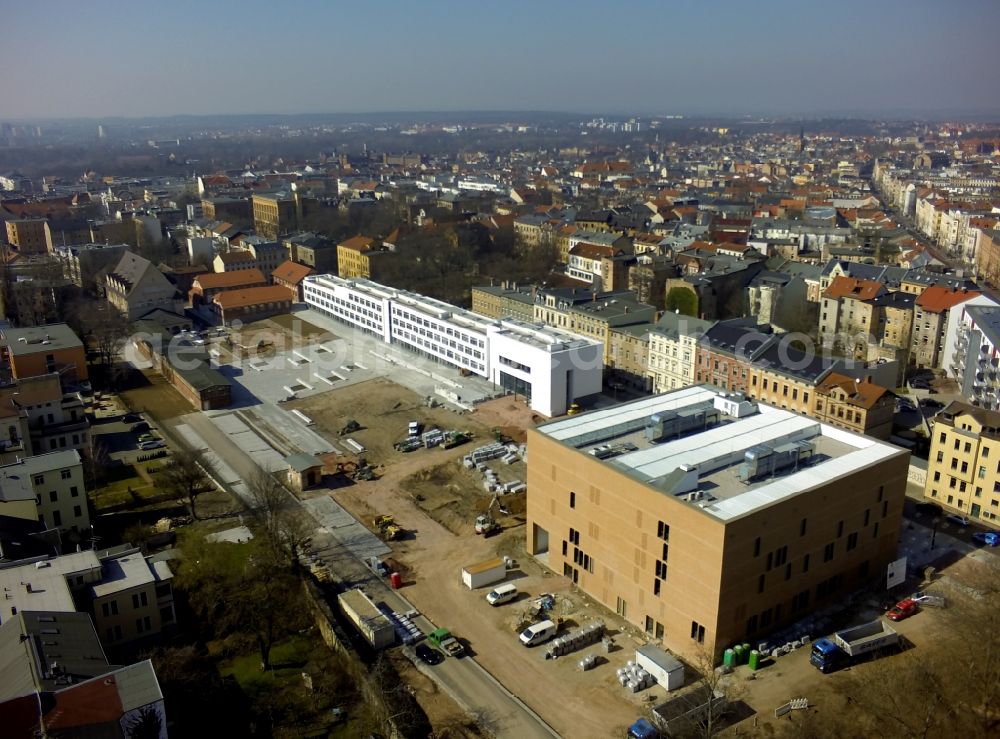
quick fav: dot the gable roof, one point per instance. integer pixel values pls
(848, 287)
(251, 296)
(937, 299)
(291, 272)
(863, 394)
(132, 269)
(219, 280)
(357, 243)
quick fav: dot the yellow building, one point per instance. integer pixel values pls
(709, 520)
(360, 256)
(280, 213)
(963, 469)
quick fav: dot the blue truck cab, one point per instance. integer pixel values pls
(826, 655)
(642, 729)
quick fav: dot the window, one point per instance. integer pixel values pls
(139, 599)
(572, 500)
(840, 529)
(65, 474)
(656, 586)
(77, 511)
(53, 496)
(802, 527)
(109, 608)
(805, 564)
(881, 490)
(621, 608)
(828, 552)
(56, 518)
(760, 583)
(662, 531)
(565, 547)
(73, 491)
(697, 632)
(852, 540)
(756, 543)
(788, 571)
(38, 479)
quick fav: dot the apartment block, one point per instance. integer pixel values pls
(673, 347)
(963, 468)
(707, 519)
(54, 483)
(930, 321)
(129, 596)
(27, 235)
(549, 367)
(39, 350)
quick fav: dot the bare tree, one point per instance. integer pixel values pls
(278, 515)
(188, 475)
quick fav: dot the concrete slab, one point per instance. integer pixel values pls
(345, 528)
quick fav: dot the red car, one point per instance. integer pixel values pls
(903, 609)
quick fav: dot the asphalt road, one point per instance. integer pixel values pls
(471, 686)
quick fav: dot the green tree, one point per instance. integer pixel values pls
(680, 299)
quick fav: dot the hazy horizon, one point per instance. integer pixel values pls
(722, 58)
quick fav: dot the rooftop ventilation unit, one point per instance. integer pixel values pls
(764, 459)
(670, 424)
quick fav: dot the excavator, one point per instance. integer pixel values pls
(486, 525)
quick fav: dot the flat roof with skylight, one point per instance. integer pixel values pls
(721, 452)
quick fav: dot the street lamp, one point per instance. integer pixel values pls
(934, 530)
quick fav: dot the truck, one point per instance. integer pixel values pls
(387, 527)
(845, 647)
(484, 573)
(443, 640)
(453, 439)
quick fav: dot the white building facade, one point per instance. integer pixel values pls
(551, 368)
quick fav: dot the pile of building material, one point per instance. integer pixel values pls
(433, 438)
(589, 662)
(634, 678)
(583, 637)
(508, 453)
(406, 630)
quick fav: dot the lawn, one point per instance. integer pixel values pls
(120, 492)
(288, 657)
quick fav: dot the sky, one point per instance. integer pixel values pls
(772, 57)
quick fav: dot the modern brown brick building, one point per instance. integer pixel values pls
(707, 519)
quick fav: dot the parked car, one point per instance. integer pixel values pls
(986, 538)
(903, 609)
(131, 418)
(154, 444)
(148, 437)
(429, 656)
(957, 520)
(931, 403)
(138, 428)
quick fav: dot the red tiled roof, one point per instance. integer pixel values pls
(291, 272)
(251, 296)
(937, 299)
(863, 394)
(849, 287)
(217, 280)
(358, 243)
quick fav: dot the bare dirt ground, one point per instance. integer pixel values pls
(449, 721)
(575, 703)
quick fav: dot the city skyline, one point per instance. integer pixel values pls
(721, 58)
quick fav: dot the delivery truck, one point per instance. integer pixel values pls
(848, 646)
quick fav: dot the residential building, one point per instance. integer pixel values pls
(40, 350)
(709, 520)
(504, 301)
(856, 405)
(596, 319)
(27, 235)
(551, 368)
(62, 232)
(361, 256)
(974, 360)
(267, 255)
(312, 251)
(58, 682)
(289, 275)
(248, 304)
(233, 260)
(673, 348)
(230, 210)
(206, 286)
(279, 213)
(54, 418)
(52, 485)
(629, 356)
(930, 321)
(846, 308)
(129, 596)
(87, 265)
(963, 467)
(135, 287)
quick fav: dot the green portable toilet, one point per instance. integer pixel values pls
(754, 659)
(740, 658)
(746, 653)
(729, 658)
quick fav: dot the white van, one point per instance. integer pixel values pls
(502, 594)
(538, 633)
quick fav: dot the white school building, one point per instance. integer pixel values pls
(550, 367)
